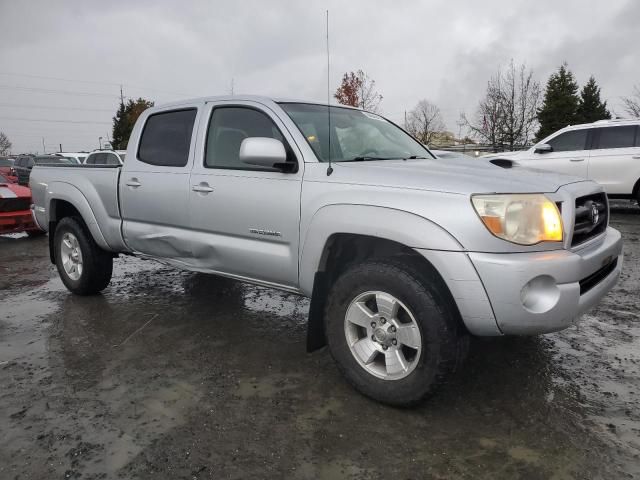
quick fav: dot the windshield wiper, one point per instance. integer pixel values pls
(368, 159)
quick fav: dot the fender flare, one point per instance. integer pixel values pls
(71, 194)
(387, 223)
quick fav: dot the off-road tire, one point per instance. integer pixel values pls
(97, 263)
(444, 342)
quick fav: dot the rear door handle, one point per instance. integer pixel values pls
(202, 188)
(577, 159)
(133, 183)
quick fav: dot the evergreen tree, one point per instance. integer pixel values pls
(560, 104)
(591, 108)
(125, 119)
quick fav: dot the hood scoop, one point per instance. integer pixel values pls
(503, 163)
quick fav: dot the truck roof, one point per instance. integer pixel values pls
(255, 98)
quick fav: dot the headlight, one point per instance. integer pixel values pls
(524, 219)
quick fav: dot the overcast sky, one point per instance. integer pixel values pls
(440, 50)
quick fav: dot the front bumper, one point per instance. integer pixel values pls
(533, 293)
(14, 222)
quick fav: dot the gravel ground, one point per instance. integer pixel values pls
(180, 375)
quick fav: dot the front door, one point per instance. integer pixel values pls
(154, 187)
(245, 218)
(570, 154)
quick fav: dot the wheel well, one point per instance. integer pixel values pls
(343, 250)
(636, 191)
(58, 209)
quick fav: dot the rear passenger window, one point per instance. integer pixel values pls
(166, 138)
(617, 137)
(569, 141)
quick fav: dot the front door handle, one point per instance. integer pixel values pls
(133, 183)
(577, 159)
(202, 188)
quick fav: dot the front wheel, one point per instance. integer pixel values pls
(84, 267)
(391, 331)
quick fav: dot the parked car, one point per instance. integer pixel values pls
(607, 151)
(7, 170)
(106, 157)
(15, 213)
(77, 157)
(403, 255)
(24, 164)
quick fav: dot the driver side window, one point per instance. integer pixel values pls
(570, 141)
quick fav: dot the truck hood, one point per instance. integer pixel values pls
(453, 176)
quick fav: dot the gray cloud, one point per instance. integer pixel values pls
(440, 50)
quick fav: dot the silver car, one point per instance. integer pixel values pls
(404, 256)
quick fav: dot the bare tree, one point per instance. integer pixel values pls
(425, 122)
(5, 144)
(507, 116)
(358, 90)
(632, 103)
(520, 99)
(486, 126)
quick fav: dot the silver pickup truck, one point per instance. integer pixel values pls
(403, 255)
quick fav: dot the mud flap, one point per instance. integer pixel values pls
(316, 338)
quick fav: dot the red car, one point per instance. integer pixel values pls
(7, 170)
(15, 213)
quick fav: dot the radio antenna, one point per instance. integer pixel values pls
(330, 169)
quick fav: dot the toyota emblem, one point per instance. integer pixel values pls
(595, 214)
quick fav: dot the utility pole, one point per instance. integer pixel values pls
(60, 148)
(405, 119)
(232, 79)
(100, 142)
(44, 149)
(121, 96)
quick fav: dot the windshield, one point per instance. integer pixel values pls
(5, 162)
(354, 134)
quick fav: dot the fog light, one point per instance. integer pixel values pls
(540, 295)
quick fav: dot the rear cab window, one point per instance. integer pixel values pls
(166, 138)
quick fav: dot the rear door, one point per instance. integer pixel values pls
(245, 218)
(154, 186)
(615, 158)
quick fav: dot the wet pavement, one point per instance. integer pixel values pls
(179, 375)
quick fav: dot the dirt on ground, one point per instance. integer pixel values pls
(180, 375)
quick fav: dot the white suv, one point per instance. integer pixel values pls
(607, 151)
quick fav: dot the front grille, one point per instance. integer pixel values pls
(14, 204)
(592, 280)
(588, 224)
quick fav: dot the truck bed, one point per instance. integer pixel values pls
(93, 189)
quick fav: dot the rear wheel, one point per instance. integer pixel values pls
(391, 331)
(84, 267)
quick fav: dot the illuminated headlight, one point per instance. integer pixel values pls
(525, 219)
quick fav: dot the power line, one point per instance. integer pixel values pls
(17, 105)
(53, 121)
(95, 82)
(43, 77)
(62, 92)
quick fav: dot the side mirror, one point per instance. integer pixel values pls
(265, 152)
(543, 148)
